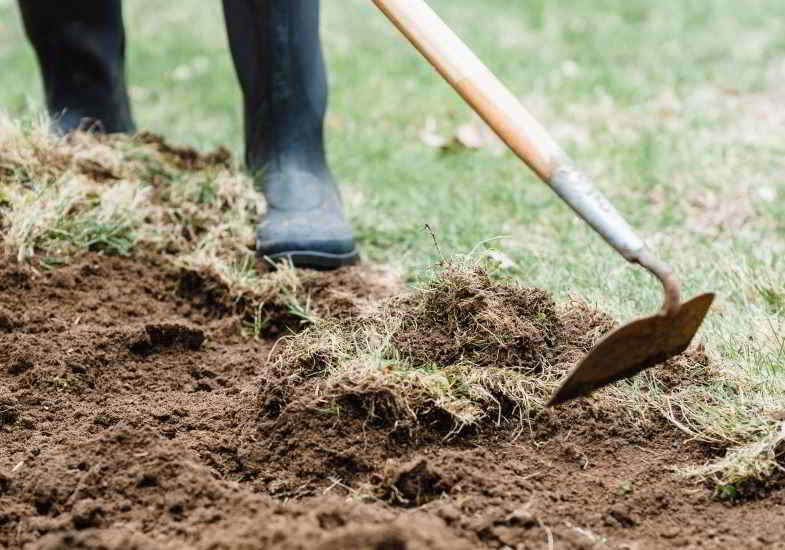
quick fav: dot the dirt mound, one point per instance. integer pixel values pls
(154, 337)
(464, 315)
(463, 352)
(141, 406)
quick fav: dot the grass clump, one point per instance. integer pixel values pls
(122, 195)
(60, 196)
(460, 351)
(470, 317)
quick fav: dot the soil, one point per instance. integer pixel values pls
(130, 418)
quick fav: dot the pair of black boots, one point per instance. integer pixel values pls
(276, 50)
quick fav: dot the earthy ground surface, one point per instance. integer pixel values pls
(135, 413)
(138, 410)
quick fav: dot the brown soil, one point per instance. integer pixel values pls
(131, 416)
(467, 315)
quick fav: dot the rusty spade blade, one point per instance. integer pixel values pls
(639, 344)
(631, 348)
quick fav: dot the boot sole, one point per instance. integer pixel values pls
(316, 260)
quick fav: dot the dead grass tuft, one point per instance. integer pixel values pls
(464, 315)
(119, 194)
(59, 196)
(463, 350)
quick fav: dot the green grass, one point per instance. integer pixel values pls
(675, 108)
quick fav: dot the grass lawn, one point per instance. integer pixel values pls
(676, 108)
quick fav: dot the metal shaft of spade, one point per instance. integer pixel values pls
(631, 348)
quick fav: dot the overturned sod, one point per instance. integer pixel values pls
(155, 389)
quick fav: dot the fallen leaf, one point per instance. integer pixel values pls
(474, 134)
(430, 136)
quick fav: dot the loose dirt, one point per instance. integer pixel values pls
(145, 402)
(133, 415)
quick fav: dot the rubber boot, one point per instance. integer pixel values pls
(80, 45)
(277, 55)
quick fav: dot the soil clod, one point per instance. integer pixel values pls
(153, 337)
(414, 483)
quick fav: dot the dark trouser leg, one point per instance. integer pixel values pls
(80, 46)
(277, 54)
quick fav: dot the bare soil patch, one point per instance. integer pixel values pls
(170, 398)
(136, 412)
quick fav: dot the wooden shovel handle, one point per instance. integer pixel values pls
(475, 83)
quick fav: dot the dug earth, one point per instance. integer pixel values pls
(136, 412)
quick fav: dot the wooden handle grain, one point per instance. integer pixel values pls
(475, 83)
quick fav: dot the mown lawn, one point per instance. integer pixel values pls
(676, 108)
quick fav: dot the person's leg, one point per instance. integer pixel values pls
(80, 45)
(277, 54)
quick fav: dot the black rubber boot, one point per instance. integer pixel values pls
(277, 54)
(80, 46)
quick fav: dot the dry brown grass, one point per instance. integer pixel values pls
(462, 350)
(116, 193)
(120, 195)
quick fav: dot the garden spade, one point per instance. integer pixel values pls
(631, 348)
